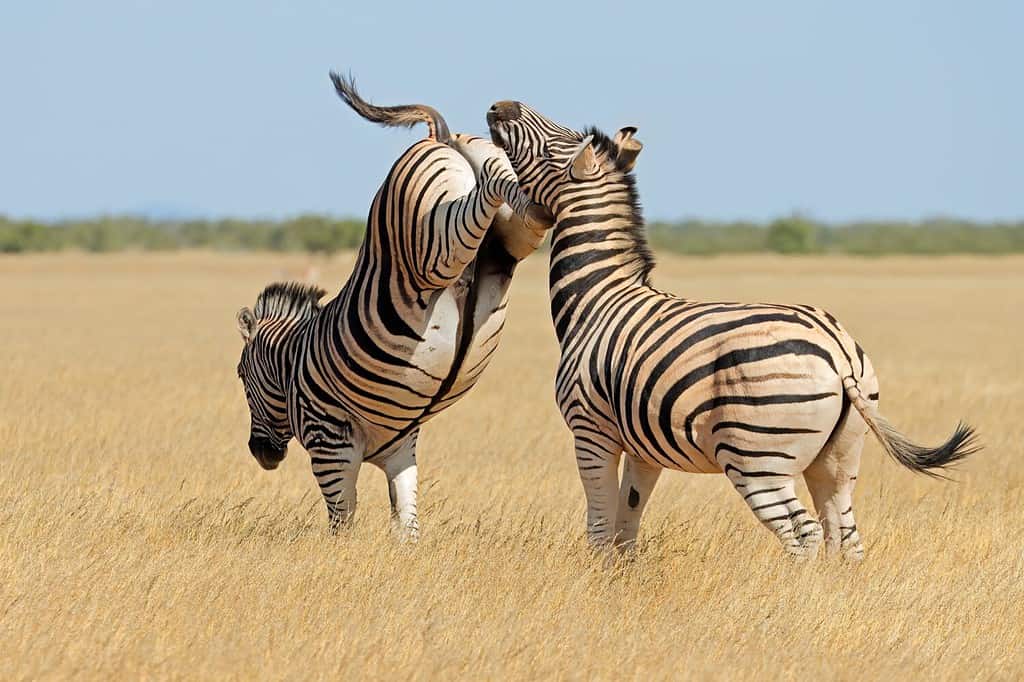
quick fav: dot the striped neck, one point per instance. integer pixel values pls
(598, 248)
(287, 340)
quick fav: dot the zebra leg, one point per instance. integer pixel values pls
(598, 461)
(522, 223)
(774, 502)
(465, 221)
(400, 469)
(336, 470)
(499, 183)
(638, 479)
(831, 478)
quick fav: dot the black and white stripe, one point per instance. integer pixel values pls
(759, 392)
(412, 329)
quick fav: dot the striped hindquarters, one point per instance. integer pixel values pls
(691, 386)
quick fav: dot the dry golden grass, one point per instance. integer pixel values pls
(138, 537)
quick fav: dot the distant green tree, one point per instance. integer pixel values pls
(319, 234)
(322, 234)
(16, 237)
(792, 235)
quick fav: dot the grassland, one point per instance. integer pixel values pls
(138, 538)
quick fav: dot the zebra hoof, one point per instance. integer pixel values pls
(811, 538)
(854, 554)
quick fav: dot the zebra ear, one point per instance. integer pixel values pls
(246, 324)
(583, 162)
(629, 148)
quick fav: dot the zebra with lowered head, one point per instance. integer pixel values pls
(409, 333)
(760, 392)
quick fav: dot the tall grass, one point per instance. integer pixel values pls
(138, 538)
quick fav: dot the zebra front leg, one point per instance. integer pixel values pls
(520, 223)
(638, 479)
(337, 470)
(499, 184)
(400, 469)
(598, 463)
(465, 221)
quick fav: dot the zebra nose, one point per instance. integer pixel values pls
(266, 453)
(505, 111)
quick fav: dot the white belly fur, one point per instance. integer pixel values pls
(436, 353)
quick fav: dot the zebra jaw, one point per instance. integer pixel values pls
(498, 136)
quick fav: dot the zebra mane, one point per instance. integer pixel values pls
(283, 300)
(605, 145)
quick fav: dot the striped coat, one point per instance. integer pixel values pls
(762, 393)
(412, 329)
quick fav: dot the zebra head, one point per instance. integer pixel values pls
(550, 158)
(267, 332)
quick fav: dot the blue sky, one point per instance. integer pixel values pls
(747, 109)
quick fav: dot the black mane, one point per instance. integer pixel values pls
(288, 300)
(605, 145)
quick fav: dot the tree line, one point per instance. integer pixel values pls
(322, 234)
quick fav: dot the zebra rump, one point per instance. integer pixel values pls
(402, 116)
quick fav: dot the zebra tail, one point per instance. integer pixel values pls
(925, 460)
(406, 115)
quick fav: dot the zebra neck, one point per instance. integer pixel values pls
(594, 259)
(288, 348)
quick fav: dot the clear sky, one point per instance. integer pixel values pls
(842, 110)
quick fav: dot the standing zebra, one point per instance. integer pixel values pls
(411, 330)
(759, 392)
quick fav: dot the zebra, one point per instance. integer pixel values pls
(759, 392)
(411, 330)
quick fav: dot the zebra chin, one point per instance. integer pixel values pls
(266, 453)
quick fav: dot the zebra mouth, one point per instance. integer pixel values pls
(268, 455)
(270, 463)
(497, 134)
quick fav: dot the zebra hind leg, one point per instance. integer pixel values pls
(831, 478)
(400, 469)
(776, 505)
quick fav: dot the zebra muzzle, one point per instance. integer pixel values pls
(496, 115)
(266, 453)
(506, 110)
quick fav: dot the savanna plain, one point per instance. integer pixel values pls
(138, 537)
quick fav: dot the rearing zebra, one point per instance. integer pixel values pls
(411, 330)
(759, 392)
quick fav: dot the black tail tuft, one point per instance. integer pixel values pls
(930, 461)
(406, 115)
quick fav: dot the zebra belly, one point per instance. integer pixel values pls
(433, 356)
(388, 394)
(485, 303)
(455, 350)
